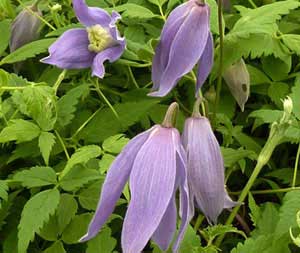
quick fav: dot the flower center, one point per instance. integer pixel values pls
(99, 38)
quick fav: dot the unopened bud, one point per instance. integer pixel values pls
(56, 7)
(288, 105)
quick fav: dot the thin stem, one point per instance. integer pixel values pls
(199, 221)
(219, 82)
(62, 144)
(162, 13)
(170, 117)
(252, 4)
(132, 77)
(36, 15)
(273, 191)
(60, 78)
(13, 88)
(296, 167)
(98, 90)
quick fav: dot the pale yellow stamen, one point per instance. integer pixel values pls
(99, 38)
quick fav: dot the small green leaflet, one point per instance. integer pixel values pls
(5, 35)
(134, 11)
(3, 191)
(115, 144)
(56, 247)
(292, 41)
(36, 212)
(46, 142)
(102, 243)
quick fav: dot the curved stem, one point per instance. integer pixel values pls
(60, 78)
(62, 144)
(296, 167)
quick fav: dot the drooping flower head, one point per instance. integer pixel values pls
(205, 168)
(185, 41)
(90, 46)
(154, 162)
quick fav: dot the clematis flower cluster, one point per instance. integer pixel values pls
(90, 46)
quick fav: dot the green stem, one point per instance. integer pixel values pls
(199, 221)
(273, 191)
(170, 117)
(98, 90)
(252, 4)
(162, 13)
(60, 78)
(62, 144)
(133, 78)
(13, 88)
(36, 15)
(296, 167)
(219, 82)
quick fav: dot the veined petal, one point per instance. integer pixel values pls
(115, 16)
(70, 51)
(205, 63)
(90, 16)
(229, 203)
(114, 183)
(152, 183)
(205, 167)
(186, 49)
(111, 54)
(164, 233)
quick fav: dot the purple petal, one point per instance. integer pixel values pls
(114, 183)
(152, 183)
(229, 203)
(169, 31)
(186, 49)
(70, 51)
(205, 167)
(115, 16)
(164, 233)
(90, 16)
(111, 54)
(205, 63)
(186, 213)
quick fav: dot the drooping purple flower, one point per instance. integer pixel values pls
(205, 168)
(155, 164)
(185, 41)
(90, 46)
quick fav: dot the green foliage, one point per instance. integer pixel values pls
(5, 35)
(46, 142)
(102, 243)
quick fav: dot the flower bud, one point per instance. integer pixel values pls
(24, 29)
(288, 105)
(56, 7)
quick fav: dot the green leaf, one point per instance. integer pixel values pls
(89, 197)
(213, 231)
(292, 41)
(3, 191)
(115, 144)
(295, 97)
(28, 51)
(251, 245)
(277, 92)
(36, 212)
(266, 115)
(255, 210)
(214, 24)
(81, 156)
(46, 142)
(56, 247)
(191, 242)
(78, 177)
(232, 156)
(77, 228)
(134, 11)
(5, 35)
(105, 124)
(105, 162)
(102, 243)
(36, 177)
(66, 105)
(19, 130)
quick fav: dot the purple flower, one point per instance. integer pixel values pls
(90, 46)
(205, 168)
(185, 41)
(155, 164)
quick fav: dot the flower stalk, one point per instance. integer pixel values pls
(171, 116)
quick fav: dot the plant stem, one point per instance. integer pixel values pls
(60, 78)
(296, 167)
(219, 82)
(132, 77)
(273, 191)
(252, 4)
(62, 144)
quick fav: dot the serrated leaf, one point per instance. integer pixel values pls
(255, 210)
(232, 156)
(212, 232)
(46, 142)
(266, 115)
(77, 228)
(295, 97)
(81, 156)
(66, 105)
(105, 124)
(56, 247)
(105, 162)
(102, 243)
(134, 11)
(36, 177)
(277, 92)
(191, 241)
(78, 177)
(251, 245)
(89, 197)
(5, 35)
(292, 41)
(19, 130)
(28, 51)
(35, 213)
(115, 144)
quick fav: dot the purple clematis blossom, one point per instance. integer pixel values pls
(154, 162)
(91, 46)
(205, 168)
(185, 41)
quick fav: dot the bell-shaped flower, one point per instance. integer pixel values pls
(154, 162)
(90, 46)
(185, 41)
(205, 168)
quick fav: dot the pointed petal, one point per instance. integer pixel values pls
(186, 49)
(164, 233)
(169, 31)
(115, 16)
(70, 51)
(114, 183)
(205, 63)
(229, 203)
(111, 54)
(186, 213)
(205, 167)
(152, 184)
(90, 16)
